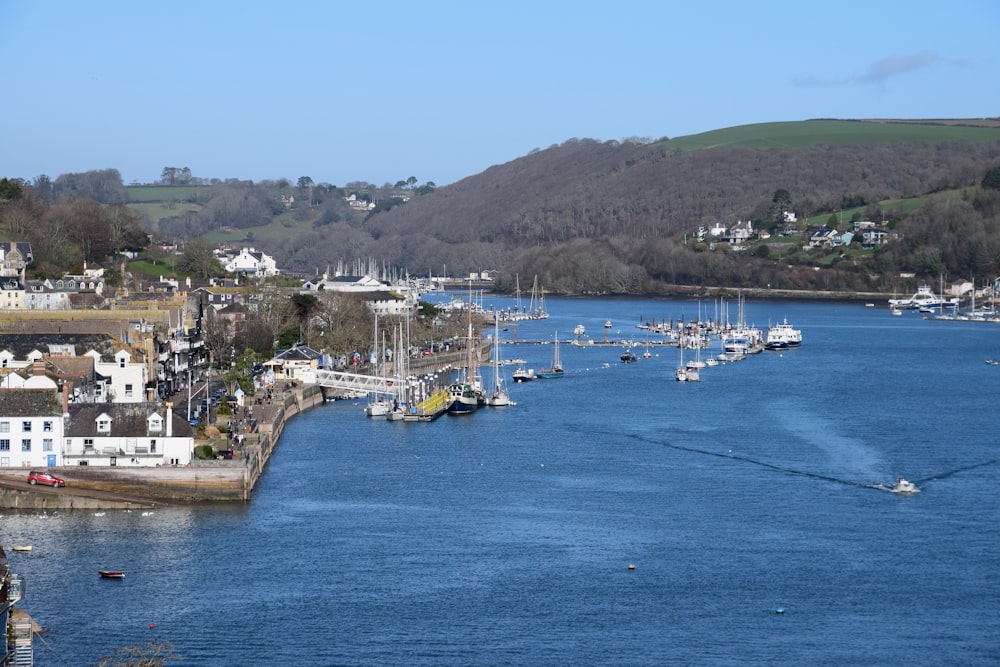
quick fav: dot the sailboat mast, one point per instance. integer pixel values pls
(470, 368)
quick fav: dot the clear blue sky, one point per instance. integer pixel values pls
(383, 91)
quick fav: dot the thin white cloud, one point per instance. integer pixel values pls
(880, 71)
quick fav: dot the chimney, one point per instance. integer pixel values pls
(65, 399)
(170, 419)
(38, 367)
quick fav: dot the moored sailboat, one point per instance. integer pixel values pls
(466, 394)
(556, 370)
(499, 397)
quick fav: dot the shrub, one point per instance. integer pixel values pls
(204, 452)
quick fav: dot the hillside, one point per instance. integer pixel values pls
(591, 216)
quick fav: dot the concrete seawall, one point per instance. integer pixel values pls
(89, 487)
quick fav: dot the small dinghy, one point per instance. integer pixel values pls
(111, 574)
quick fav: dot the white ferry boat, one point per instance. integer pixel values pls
(924, 297)
(782, 336)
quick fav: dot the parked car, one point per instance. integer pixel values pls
(44, 477)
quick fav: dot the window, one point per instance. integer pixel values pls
(4, 427)
(128, 389)
(4, 445)
(88, 442)
(121, 363)
(103, 425)
(152, 446)
(26, 426)
(47, 445)
(26, 445)
(47, 426)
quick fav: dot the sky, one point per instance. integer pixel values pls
(382, 91)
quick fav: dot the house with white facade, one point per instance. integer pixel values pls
(31, 422)
(718, 229)
(344, 283)
(128, 435)
(125, 379)
(874, 237)
(292, 363)
(61, 293)
(391, 303)
(252, 263)
(741, 232)
(11, 293)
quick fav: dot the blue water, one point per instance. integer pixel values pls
(505, 537)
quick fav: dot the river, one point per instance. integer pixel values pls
(612, 517)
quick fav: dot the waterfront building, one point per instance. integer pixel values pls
(133, 434)
(31, 422)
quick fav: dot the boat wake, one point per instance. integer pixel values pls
(878, 486)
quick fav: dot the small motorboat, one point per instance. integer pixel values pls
(993, 362)
(24, 548)
(111, 574)
(904, 486)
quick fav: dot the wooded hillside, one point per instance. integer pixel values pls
(588, 216)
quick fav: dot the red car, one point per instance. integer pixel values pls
(44, 477)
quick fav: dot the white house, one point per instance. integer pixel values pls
(252, 263)
(718, 229)
(390, 303)
(129, 435)
(125, 380)
(291, 363)
(31, 424)
(741, 231)
(343, 283)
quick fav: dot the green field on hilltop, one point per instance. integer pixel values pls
(280, 228)
(157, 211)
(811, 132)
(156, 193)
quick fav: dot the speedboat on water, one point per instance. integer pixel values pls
(904, 486)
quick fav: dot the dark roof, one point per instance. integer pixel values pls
(30, 403)
(381, 295)
(20, 344)
(127, 419)
(232, 308)
(22, 247)
(298, 353)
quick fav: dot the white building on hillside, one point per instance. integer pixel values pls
(251, 263)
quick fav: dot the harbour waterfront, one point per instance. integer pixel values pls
(506, 537)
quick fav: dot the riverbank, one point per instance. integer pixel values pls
(203, 481)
